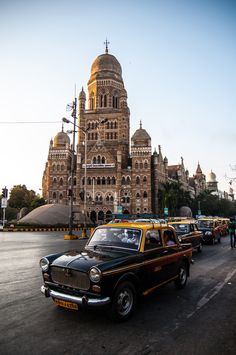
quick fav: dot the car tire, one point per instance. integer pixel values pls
(124, 301)
(199, 248)
(181, 280)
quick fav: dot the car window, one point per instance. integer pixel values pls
(152, 239)
(169, 238)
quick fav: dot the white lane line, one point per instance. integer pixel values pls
(212, 293)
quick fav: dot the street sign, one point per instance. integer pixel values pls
(166, 211)
(4, 202)
(119, 210)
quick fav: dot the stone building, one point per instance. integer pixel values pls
(110, 175)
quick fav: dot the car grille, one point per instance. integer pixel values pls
(70, 278)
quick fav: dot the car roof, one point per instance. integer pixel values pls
(138, 225)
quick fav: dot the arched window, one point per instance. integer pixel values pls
(105, 100)
(111, 124)
(94, 160)
(128, 180)
(103, 160)
(123, 180)
(144, 179)
(141, 165)
(98, 181)
(107, 198)
(54, 180)
(60, 196)
(100, 198)
(103, 181)
(89, 181)
(115, 124)
(145, 165)
(108, 125)
(137, 195)
(61, 182)
(96, 198)
(145, 195)
(113, 181)
(137, 180)
(108, 180)
(83, 181)
(74, 182)
(112, 198)
(128, 200)
(53, 167)
(54, 195)
(99, 160)
(92, 125)
(136, 165)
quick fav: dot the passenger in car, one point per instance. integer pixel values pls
(168, 239)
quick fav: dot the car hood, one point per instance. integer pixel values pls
(204, 229)
(84, 260)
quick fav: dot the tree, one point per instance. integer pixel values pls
(21, 197)
(173, 196)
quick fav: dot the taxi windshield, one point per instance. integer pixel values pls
(117, 237)
(181, 228)
(205, 223)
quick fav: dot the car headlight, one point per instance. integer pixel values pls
(95, 274)
(44, 264)
(208, 233)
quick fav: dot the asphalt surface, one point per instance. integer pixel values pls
(201, 319)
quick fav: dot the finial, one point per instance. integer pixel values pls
(62, 127)
(159, 148)
(140, 124)
(106, 43)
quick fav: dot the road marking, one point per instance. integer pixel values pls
(212, 293)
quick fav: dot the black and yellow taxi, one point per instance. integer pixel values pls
(187, 231)
(210, 227)
(119, 263)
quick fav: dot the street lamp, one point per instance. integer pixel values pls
(85, 131)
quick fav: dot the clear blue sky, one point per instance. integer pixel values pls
(178, 59)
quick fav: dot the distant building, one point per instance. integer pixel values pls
(211, 183)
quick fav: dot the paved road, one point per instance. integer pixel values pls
(199, 320)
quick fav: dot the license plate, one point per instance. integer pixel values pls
(66, 304)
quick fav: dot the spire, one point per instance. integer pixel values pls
(106, 43)
(62, 127)
(140, 124)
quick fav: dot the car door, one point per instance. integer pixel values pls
(170, 260)
(153, 254)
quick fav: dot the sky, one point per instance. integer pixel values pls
(178, 61)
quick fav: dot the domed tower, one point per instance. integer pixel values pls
(105, 123)
(57, 169)
(141, 152)
(107, 116)
(211, 183)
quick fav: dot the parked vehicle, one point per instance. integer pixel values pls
(119, 263)
(210, 227)
(187, 232)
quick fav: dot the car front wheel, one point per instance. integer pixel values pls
(124, 301)
(181, 280)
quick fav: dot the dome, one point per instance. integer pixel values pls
(185, 211)
(106, 62)
(141, 137)
(211, 177)
(61, 139)
(82, 95)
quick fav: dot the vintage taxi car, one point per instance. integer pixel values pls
(187, 232)
(210, 228)
(119, 263)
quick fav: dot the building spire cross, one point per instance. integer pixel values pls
(106, 43)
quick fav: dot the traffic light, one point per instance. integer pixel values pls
(4, 192)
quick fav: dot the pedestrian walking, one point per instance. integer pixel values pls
(232, 228)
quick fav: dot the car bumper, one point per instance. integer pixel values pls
(84, 300)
